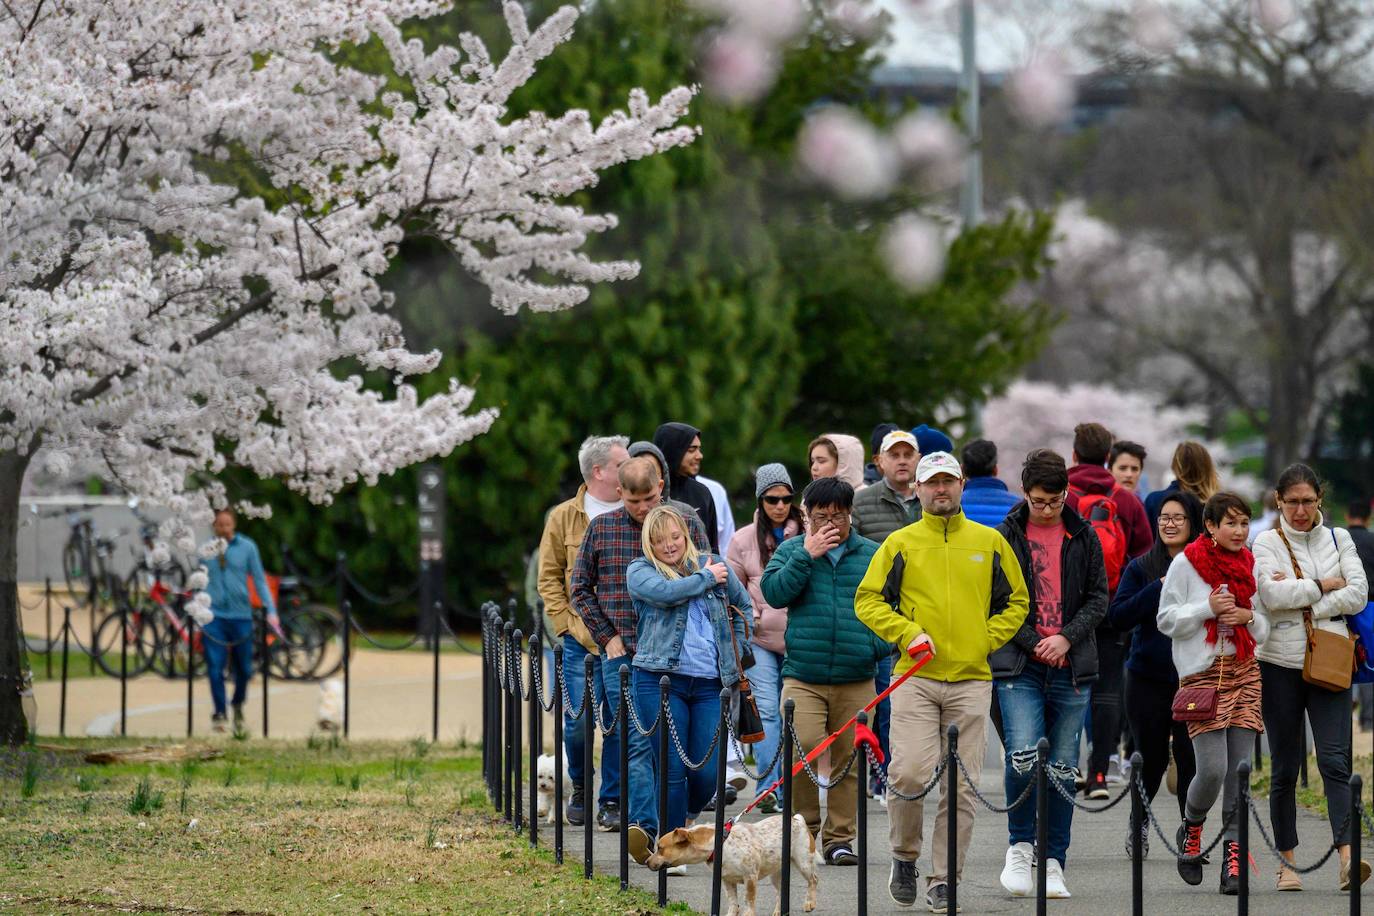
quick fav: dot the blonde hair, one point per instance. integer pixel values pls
(656, 523)
(1196, 472)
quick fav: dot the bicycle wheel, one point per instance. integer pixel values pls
(135, 635)
(325, 629)
(176, 652)
(76, 570)
(295, 654)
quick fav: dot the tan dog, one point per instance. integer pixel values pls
(750, 852)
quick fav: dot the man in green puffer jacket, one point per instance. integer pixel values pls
(828, 670)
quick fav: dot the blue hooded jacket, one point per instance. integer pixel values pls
(987, 500)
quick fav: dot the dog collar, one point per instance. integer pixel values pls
(712, 857)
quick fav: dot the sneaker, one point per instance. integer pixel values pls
(769, 804)
(576, 809)
(901, 883)
(1289, 880)
(1079, 780)
(1230, 868)
(640, 843)
(732, 794)
(1144, 841)
(1097, 786)
(676, 871)
(1189, 841)
(1115, 777)
(737, 781)
(219, 723)
(608, 818)
(1016, 874)
(841, 854)
(238, 718)
(1126, 769)
(882, 800)
(1345, 875)
(937, 898)
(1055, 889)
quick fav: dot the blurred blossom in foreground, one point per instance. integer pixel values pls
(847, 153)
(930, 144)
(739, 68)
(858, 18)
(1042, 92)
(914, 249)
(1272, 15)
(1153, 27)
(768, 20)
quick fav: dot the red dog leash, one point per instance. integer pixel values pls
(862, 734)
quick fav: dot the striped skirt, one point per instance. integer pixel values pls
(1238, 694)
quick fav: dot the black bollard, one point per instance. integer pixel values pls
(536, 658)
(1042, 820)
(508, 693)
(1356, 816)
(952, 819)
(190, 672)
(266, 672)
(558, 754)
(347, 662)
(861, 824)
(123, 669)
(47, 614)
(626, 730)
(486, 696)
(789, 708)
(1243, 835)
(662, 726)
(719, 841)
(434, 729)
(517, 733)
(1137, 852)
(66, 637)
(589, 714)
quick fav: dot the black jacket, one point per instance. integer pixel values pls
(673, 440)
(1084, 586)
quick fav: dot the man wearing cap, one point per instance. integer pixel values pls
(828, 670)
(891, 503)
(954, 587)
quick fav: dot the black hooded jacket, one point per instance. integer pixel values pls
(673, 439)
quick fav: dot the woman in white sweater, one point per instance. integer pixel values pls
(1304, 565)
(1210, 608)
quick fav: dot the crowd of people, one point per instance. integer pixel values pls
(1164, 623)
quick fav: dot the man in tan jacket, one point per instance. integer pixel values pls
(599, 458)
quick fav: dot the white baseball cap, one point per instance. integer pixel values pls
(896, 437)
(937, 463)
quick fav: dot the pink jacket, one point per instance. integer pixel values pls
(851, 459)
(770, 623)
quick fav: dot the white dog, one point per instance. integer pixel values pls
(545, 772)
(329, 713)
(750, 853)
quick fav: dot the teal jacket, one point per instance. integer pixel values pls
(826, 643)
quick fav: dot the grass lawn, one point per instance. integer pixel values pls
(279, 827)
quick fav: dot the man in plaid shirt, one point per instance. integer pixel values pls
(602, 599)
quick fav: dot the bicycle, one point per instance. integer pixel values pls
(146, 572)
(86, 562)
(127, 638)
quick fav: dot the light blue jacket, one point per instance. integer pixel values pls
(662, 606)
(228, 586)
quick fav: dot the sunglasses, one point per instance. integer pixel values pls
(777, 500)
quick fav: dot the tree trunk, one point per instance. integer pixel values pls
(1290, 398)
(13, 657)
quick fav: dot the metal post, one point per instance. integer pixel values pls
(123, 668)
(626, 729)
(485, 613)
(1356, 829)
(971, 196)
(345, 608)
(789, 708)
(719, 855)
(266, 668)
(1137, 852)
(1243, 836)
(1042, 820)
(558, 755)
(516, 732)
(589, 716)
(535, 709)
(861, 825)
(190, 672)
(438, 609)
(508, 691)
(662, 726)
(47, 613)
(66, 639)
(952, 820)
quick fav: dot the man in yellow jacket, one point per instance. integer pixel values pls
(955, 586)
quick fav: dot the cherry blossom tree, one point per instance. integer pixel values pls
(164, 315)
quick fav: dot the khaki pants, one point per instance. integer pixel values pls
(820, 710)
(922, 712)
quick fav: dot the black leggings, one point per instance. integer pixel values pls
(1286, 697)
(1106, 699)
(1148, 705)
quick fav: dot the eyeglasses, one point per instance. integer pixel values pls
(777, 500)
(1041, 505)
(1172, 521)
(836, 519)
(1302, 503)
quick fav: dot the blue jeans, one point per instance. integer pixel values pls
(229, 640)
(766, 680)
(574, 733)
(694, 703)
(1041, 702)
(882, 716)
(641, 807)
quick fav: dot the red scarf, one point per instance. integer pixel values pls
(1235, 568)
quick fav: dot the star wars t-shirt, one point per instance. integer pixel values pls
(1046, 551)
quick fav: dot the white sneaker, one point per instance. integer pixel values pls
(1016, 874)
(1055, 888)
(680, 871)
(882, 800)
(1115, 776)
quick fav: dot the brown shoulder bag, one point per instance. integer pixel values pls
(1329, 660)
(749, 724)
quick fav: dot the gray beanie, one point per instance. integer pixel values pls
(769, 476)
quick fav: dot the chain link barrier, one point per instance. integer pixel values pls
(982, 799)
(380, 600)
(760, 777)
(1091, 809)
(812, 774)
(876, 769)
(1159, 831)
(537, 665)
(1344, 831)
(682, 752)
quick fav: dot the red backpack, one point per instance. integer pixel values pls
(1099, 510)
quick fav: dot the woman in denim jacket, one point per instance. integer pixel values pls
(684, 633)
